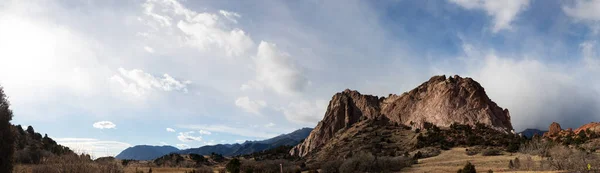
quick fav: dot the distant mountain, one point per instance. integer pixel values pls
(145, 152)
(249, 147)
(530, 132)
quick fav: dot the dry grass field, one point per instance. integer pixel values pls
(157, 170)
(456, 158)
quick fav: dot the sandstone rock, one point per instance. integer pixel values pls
(553, 130)
(441, 101)
(593, 126)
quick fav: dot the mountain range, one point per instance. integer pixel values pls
(145, 152)
(248, 147)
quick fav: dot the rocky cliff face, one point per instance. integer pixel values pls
(441, 101)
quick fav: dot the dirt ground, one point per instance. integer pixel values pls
(456, 158)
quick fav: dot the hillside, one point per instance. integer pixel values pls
(145, 152)
(248, 147)
(439, 102)
(32, 147)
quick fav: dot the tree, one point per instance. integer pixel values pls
(233, 166)
(7, 138)
(469, 168)
(30, 130)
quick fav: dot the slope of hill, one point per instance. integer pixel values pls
(145, 152)
(32, 147)
(249, 147)
(440, 101)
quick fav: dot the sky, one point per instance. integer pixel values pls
(101, 76)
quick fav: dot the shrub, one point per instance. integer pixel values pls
(331, 166)
(233, 165)
(203, 169)
(517, 163)
(512, 147)
(469, 168)
(491, 152)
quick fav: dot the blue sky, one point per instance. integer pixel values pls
(101, 76)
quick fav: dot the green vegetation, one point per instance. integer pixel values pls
(233, 166)
(469, 168)
(367, 162)
(466, 135)
(7, 143)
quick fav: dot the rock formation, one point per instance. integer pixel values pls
(441, 101)
(555, 131)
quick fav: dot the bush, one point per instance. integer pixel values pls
(367, 162)
(203, 169)
(75, 163)
(233, 165)
(469, 168)
(491, 152)
(331, 166)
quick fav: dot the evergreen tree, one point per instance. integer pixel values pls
(469, 168)
(7, 142)
(233, 166)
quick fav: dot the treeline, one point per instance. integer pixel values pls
(31, 147)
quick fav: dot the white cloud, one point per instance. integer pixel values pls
(96, 148)
(211, 142)
(182, 146)
(239, 141)
(250, 106)
(204, 31)
(138, 82)
(148, 49)
(275, 69)
(188, 136)
(170, 130)
(269, 125)
(590, 54)
(251, 85)
(164, 143)
(104, 125)
(583, 10)
(305, 112)
(230, 15)
(229, 130)
(536, 93)
(204, 132)
(503, 12)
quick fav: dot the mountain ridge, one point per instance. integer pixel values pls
(145, 152)
(249, 147)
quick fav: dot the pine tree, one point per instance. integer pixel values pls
(7, 142)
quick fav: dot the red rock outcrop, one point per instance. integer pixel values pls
(553, 130)
(441, 101)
